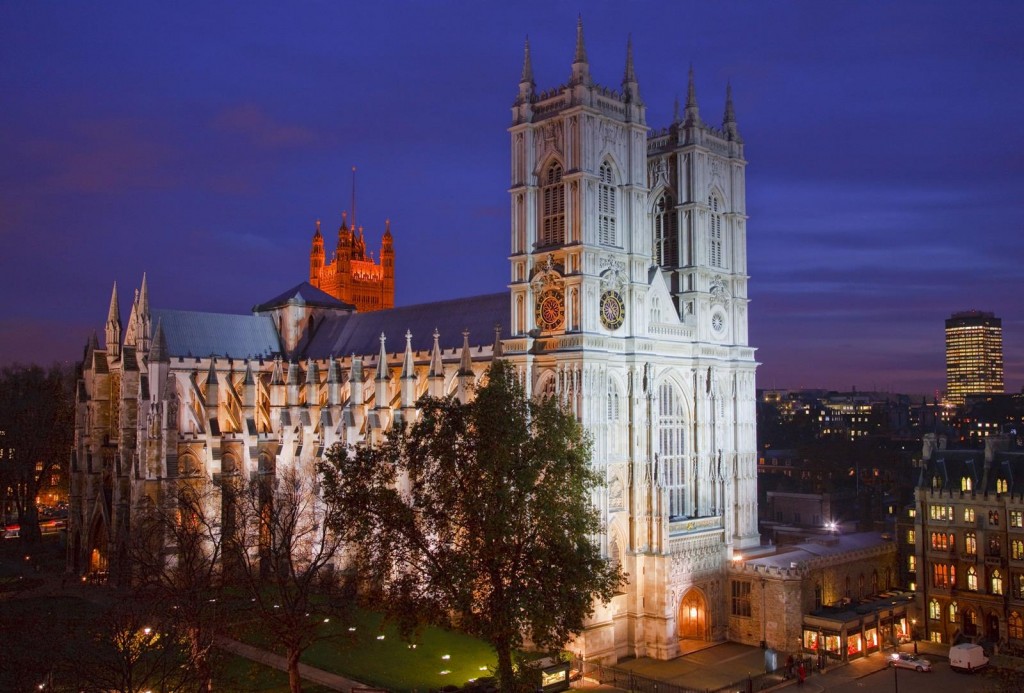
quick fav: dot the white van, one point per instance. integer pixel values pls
(967, 657)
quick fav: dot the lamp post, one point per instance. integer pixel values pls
(895, 678)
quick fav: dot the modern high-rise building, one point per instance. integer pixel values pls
(974, 354)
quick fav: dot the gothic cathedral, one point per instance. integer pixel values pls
(627, 301)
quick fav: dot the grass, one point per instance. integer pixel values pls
(389, 662)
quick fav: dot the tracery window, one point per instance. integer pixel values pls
(954, 611)
(934, 610)
(1017, 549)
(672, 446)
(1002, 486)
(606, 194)
(666, 232)
(968, 514)
(972, 579)
(715, 224)
(1017, 585)
(552, 227)
(1015, 626)
(996, 581)
(966, 484)
(971, 544)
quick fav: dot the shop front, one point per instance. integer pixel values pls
(840, 634)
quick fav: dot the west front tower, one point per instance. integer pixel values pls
(628, 294)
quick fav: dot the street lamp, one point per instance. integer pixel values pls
(895, 674)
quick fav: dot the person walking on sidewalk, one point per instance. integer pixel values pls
(801, 674)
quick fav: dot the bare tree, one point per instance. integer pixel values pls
(176, 556)
(36, 421)
(281, 548)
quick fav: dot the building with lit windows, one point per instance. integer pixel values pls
(352, 275)
(962, 543)
(974, 355)
(627, 301)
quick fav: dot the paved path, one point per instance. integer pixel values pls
(317, 676)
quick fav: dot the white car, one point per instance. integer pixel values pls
(909, 661)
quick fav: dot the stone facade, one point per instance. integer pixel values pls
(352, 275)
(627, 301)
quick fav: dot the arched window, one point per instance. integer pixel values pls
(666, 232)
(971, 544)
(912, 563)
(552, 225)
(1015, 626)
(1002, 486)
(997, 582)
(613, 418)
(606, 193)
(934, 610)
(966, 484)
(715, 228)
(972, 579)
(671, 446)
(1017, 549)
(954, 612)
(874, 582)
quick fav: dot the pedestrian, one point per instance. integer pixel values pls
(801, 674)
(789, 667)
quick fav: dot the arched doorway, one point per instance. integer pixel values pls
(970, 622)
(992, 627)
(693, 615)
(98, 547)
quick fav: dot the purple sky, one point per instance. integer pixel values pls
(885, 144)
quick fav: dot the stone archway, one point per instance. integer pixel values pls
(694, 618)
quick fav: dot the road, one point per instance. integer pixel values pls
(883, 680)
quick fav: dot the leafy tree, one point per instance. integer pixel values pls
(479, 516)
(280, 549)
(36, 410)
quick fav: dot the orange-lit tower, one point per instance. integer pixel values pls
(352, 275)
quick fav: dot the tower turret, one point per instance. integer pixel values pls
(729, 119)
(387, 263)
(435, 375)
(113, 327)
(408, 375)
(316, 257)
(580, 66)
(692, 112)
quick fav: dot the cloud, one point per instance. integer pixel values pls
(262, 130)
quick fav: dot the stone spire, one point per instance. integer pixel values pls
(465, 374)
(143, 317)
(333, 382)
(496, 350)
(159, 351)
(580, 66)
(729, 119)
(292, 383)
(692, 110)
(526, 84)
(382, 375)
(435, 374)
(248, 387)
(630, 87)
(113, 327)
(212, 390)
(408, 374)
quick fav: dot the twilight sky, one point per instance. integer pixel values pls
(199, 142)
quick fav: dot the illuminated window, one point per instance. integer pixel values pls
(971, 543)
(716, 232)
(1016, 518)
(1015, 626)
(993, 518)
(968, 514)
(911, 536)
(954, 610)
(666, 232)
(1017, 549)
(606, 206)
(741, 598)
(966, 484)
(940, 575)
(972, 579)
(935, 636)
(912, 563)
(997, 582)
(552, 231)
(934, 610)
(1002, 486)
(1017, 584)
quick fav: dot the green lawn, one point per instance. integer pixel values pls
(391, 663)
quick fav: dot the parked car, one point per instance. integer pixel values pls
(904, 660)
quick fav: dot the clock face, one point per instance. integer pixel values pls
(551, 310)
(613, 310)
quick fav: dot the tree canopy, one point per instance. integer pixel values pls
(478, 515)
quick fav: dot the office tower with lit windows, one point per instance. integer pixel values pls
(974, 355)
